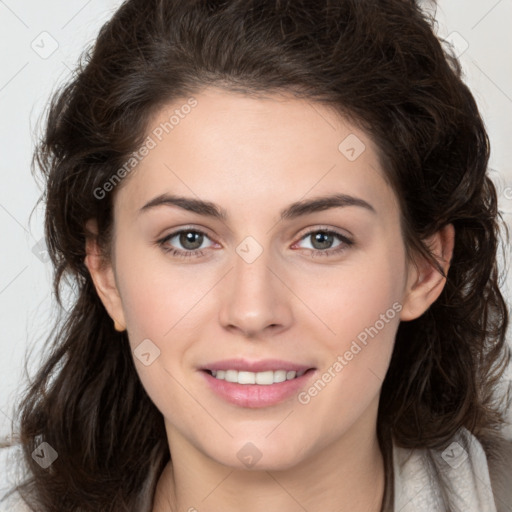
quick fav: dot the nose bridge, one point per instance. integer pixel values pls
(254, 298)
(251, 272)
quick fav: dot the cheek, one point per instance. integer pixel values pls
(357, 357)
(158, 296)
(159, 302)
(361, 308)
(363, 294)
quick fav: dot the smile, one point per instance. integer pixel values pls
(265, 378)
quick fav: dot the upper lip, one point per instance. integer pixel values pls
(255, 366)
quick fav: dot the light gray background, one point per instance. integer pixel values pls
(41, 42)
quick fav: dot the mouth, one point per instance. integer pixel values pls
(256, 384)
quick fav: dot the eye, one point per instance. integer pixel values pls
(322, 242)
(191, 240)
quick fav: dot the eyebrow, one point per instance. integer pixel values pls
(293, 211)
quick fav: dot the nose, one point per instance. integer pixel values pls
(255, 300)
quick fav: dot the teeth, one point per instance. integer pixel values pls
(263, 378)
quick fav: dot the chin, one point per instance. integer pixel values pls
(261, 456)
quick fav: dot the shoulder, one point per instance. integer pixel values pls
(499, 458)
(460, 475)
(486, 462)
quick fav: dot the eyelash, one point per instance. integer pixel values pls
(346, 243)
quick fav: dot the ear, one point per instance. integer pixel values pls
(425, 283)
(103, 277)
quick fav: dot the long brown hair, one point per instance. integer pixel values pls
(377, 62)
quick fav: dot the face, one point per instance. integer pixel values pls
(265, 278)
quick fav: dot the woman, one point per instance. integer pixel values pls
(283, 239)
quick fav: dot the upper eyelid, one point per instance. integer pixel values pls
(337, 231)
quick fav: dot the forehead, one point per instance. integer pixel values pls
(248, 152)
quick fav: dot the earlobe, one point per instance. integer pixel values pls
(425, 283)
(102, 275)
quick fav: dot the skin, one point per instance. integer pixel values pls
(253, 157)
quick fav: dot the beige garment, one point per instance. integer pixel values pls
(463, 468)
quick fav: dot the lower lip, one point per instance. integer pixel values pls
(253, 395)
